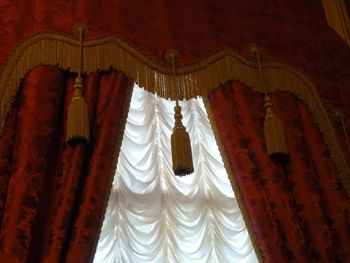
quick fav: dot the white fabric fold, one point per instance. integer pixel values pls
(154, 216)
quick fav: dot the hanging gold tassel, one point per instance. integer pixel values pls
(77, 116)
(181, 147)
(180, 140)
(275, 138)
(274, 134)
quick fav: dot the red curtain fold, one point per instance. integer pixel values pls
(52, 196)
(299, 213)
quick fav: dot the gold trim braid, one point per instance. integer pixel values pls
(196, 79)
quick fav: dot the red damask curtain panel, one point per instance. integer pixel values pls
(299, 213)
(52, 196)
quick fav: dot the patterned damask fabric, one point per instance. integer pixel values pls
(52, 196)
(299, 213)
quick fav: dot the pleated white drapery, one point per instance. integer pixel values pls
(153, 216)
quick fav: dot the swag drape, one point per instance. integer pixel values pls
(298, 213)
(52, 196)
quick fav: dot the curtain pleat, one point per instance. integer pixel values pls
(54, 194)
(155, 216)
(298, 212)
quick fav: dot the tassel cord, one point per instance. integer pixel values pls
(80, 52)
(268, 103)
(175, 79)
(261, 72)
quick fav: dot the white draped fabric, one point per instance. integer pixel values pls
(153, 216)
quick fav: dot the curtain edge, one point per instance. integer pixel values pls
(118, 144)
(234, 186)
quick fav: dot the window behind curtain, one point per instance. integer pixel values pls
(153, 216)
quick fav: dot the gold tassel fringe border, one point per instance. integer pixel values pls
(196, 79)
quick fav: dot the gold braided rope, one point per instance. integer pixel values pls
(195, 79)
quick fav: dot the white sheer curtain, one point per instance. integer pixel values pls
(153, 216)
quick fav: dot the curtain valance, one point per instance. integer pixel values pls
(196, 79)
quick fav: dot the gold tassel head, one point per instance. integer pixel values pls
(77, 116)
(274, 134)
(181, 147)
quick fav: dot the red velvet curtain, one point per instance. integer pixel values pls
(299, 213)
(52, 196)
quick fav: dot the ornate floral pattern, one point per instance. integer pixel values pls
(52, 196)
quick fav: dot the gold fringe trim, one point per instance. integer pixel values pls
(234, 186)
(196, 79)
